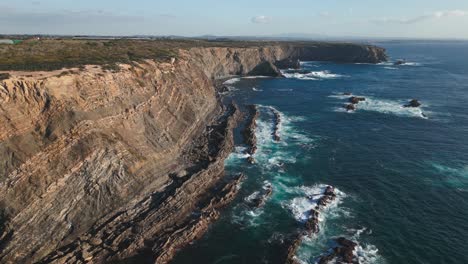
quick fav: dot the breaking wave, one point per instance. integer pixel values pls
(314, 75)
(256, 90)
(385, 106)
(306, 199)
(231, 81)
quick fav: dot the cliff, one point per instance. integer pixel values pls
(99, 166)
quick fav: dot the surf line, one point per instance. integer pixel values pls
(311, 225)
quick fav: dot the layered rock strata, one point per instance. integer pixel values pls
(99, 166)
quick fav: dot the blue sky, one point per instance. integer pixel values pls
(360, 18)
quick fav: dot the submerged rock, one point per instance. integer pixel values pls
(413, 103)
(350, 107)
(342, 253)
(399, 62)
(260, 199)
(356, 99)
(312, 224)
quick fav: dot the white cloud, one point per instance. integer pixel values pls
(453, 13)
(435, 15)
(261, 19)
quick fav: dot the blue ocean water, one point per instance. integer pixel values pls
(401, 174)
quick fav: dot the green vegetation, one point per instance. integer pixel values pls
(55, 54)
(34, 55)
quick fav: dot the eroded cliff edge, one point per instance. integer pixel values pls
(99, 166)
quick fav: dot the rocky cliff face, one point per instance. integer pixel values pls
(99, 166)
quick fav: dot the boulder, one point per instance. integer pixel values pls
(350, 107)
(330, 190)
(413, 103)
(356, 99)
(312, 224)
(262, 197)
(399, 62)
(342, 253)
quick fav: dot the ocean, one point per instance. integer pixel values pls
(401, 174)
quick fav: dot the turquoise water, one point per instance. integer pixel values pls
(401, 174)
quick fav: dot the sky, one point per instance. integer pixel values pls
(332, 18)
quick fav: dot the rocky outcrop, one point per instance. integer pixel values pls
(288, 63)
(399, 62)
(350, 107)
(413, 103)
(259, 198)
(277, 125)
(353, 101)
(99, 166)
(356, 99)
(343, 252)
(250, 138)
(225, 61)
(340, 52)
(311, 225)
(265, 68)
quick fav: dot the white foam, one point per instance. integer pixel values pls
(314, 75)
(459, 172)
(308, 63)
(367, 254)
(257, 90)
(256, 77)
(390, 107)
(340, 96)
(391, 68)
(385, 106)
(238, 155)
(393, 63)
(307, 198)
(411, 64)
(232, 81)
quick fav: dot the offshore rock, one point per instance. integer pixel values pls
(277, 124)
(413, 103)
(356, 99)
(350, 107)
(342, 253)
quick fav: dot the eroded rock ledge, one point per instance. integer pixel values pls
(99, 166)
(249, 131)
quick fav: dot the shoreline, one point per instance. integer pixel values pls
(148, 144)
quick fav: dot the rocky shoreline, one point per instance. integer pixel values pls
(277, 125)
(124, 234)
(250, 139)
(101, 166)
(311, 226)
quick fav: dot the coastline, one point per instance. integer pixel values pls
(146, 205)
